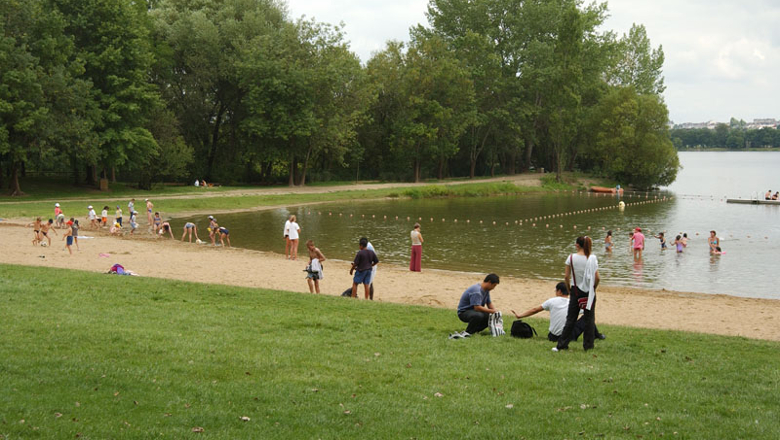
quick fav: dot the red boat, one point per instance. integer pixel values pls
(603, 189)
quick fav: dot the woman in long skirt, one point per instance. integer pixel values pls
(417, 241)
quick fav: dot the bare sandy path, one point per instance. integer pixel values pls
(164, 258)
(528, 179)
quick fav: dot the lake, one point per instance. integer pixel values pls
(497, 234)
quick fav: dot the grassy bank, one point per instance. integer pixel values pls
(99, 356)
(77, 208)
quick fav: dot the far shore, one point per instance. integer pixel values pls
(172, 259)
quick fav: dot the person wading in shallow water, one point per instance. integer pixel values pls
(415, 265)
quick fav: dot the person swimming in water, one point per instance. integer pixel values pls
(678, 243)
(608, 241)
(660, 236)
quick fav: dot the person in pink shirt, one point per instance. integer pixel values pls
(639, 243)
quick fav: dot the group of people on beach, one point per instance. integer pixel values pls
(157, 226)
(769, 196)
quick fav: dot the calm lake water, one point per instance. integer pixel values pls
(750, 235)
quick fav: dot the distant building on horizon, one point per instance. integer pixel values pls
(757, 124)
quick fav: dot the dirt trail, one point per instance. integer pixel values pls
(532, 180)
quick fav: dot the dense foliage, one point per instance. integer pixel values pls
(735, 136)
(237, 91)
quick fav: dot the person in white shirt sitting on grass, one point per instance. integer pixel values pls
(558, 307)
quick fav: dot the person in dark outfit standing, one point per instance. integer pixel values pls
(365, 260)
(475, 306)
(584, 268)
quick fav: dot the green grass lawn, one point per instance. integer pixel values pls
(78, 208)
(99, 356)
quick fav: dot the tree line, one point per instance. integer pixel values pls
(235, 91)
(735, 136)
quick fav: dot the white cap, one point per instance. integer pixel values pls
(89, 207)
(146, 200)
(211, 217)
(57, 205)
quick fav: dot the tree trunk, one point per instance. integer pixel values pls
(1, 173)
(16, 190)
(442, 163)
(417, 163)
(510, 166)
(302, 181)
(291, 180)
(214, 142)
(74, 164)
(113, 174)
(24, 170)
(529, 148)
(472, 168)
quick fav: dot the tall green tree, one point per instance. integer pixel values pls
(435, 101)
(636, 63)
(45, 110)
(205, 42)
(633, 144)
(111, 38)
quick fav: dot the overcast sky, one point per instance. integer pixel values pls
(722, 56)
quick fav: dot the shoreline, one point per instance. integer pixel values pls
(163, 258)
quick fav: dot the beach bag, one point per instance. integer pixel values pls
(347, 293)
(522, 330)
(582, 301)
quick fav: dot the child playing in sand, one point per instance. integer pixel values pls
(133, 221)
(213, 226)
(36, 231)
(73, 225)
(92, 217)
(118, 215)
(45, 229)
(314, 269)
(149, 208)
(116, 229)
(190, 227)
(68, 236)
(104, 216)
(157, 222)
(165, 227)
(608, 241)
(660, 236)
(224, 234)
(59, 216)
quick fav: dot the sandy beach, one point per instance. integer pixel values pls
(172, 259)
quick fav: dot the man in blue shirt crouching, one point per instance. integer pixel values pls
(475, 306)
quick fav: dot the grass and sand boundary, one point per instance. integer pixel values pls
(88, 355)
(182, 201)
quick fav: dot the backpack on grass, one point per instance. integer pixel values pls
(522, 330)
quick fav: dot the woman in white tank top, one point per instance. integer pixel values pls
(582, 269)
